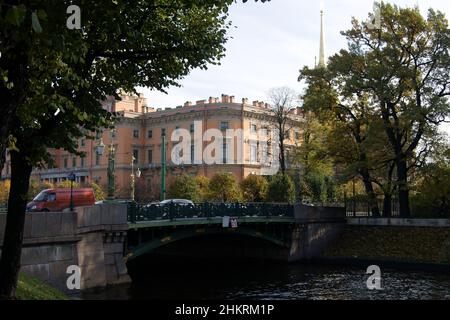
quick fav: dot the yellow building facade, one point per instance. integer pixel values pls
(138, 134)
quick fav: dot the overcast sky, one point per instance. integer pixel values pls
(270, 44)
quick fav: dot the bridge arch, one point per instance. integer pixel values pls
(179, 235)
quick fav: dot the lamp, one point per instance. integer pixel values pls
(71, 178)
(100, 147)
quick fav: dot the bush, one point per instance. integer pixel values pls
(4, 191)
(66, 184)
(254, 188)
(202, 183)
(99, 193)
(281, 189)
(433, 194)
(223, 188)
(183, 187)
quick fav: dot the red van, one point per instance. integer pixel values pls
(59, 199)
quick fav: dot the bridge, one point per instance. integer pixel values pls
(107, 241)
(257, 230)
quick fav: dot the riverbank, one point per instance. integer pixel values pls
(392, 245)
(29, 288)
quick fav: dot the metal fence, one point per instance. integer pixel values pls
(358, 208)
(171, 211)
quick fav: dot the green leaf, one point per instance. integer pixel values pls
(42, 14)
(16, 15)
(35, 22)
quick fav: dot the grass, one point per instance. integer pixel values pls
(29, 288)
(408, 244)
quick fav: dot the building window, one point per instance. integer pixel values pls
(150, 134)
(74, 162)
(192, 128)
(297, 135)
(192, 153)
(82, 162)
(97, 159)
(253, 128)
(264, 153)
(136, 156)
(224, 151)
(224, 125)
(65, 163)
(150, 156)
(253, 153)
(264, 132)
(135, 133)
(163, 132)
(83, 142)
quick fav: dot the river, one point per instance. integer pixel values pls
(262, 281)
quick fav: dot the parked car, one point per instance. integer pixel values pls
(59, 199)
(117, 201)
(180, 202)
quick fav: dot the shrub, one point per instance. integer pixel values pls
(254, 188)
(4, 191)
(183, 187)
(281, 189)
(223, 188)
(99, 193)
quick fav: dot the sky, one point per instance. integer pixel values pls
(270, 43)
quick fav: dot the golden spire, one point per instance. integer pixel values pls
(322, 62)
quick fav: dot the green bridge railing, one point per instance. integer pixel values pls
(142, 213)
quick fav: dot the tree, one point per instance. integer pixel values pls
(281, 189)
(5, 186)
(348, 113)
(406, 66)
(254, 188)
(53, 78)
(202, 183)
(223, 188)
(282, 102)
(315, 164)
(183, 187)
(99, 193)
(402, 72)
(431, 189)
(432, 197)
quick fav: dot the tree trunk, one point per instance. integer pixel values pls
(282, 155)
(15, 221)
(373, 203)
(387, 205)
(403, 192)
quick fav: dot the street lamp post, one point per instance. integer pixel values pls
(111, 171)
(71, 178)
(133, 177)
(111, 165)
(163, 168)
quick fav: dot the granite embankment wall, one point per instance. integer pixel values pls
(415, 241)
(91, 238)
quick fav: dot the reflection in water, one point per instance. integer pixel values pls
(262, 281)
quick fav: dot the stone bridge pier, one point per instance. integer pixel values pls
(315, 229)
(92, 238)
